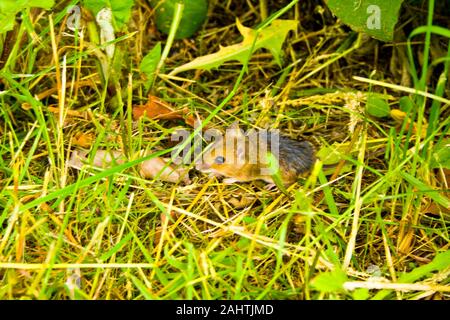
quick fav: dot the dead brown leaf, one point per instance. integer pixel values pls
(399, 116)
(155, 109)
(83, 139)
(405, 242)
(435, 208)
(242, 202)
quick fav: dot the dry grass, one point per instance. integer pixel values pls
(110, 234)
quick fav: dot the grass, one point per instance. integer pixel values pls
(377, 229)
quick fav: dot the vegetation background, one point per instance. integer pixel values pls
(376, 227)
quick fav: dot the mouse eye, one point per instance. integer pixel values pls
(219, 160)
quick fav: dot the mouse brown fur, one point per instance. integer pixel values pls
(243, 157)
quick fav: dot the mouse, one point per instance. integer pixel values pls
(242, 157)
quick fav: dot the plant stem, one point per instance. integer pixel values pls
(263, 9)
(173, 30)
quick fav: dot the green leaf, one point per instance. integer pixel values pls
(275, 168)
(441, 155)
(141, 287)
(331, 156)
(9, 9)
(174, 262)
(377, 18)
(361, 294)
(330, 281)
(149, 64)
(421, 186)
(249, 220)
(440, 262)
(377, 107)
(121, 9)
(405, 103)
(271, 38)
(194, 14)
(243, 243)
(116, 248)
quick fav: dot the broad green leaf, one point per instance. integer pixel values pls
(441, 155)
(194, 14)
(440, 262)
(249, 220)
(330, 281)
(331, 156)
(405, 103)
(377, 18)
(149, 63)
(243, 243)
(271, 38)
(121, 9)
(361, 294)
(377, 107)
(9, 9)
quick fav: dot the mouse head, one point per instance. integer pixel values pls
(226, 156)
